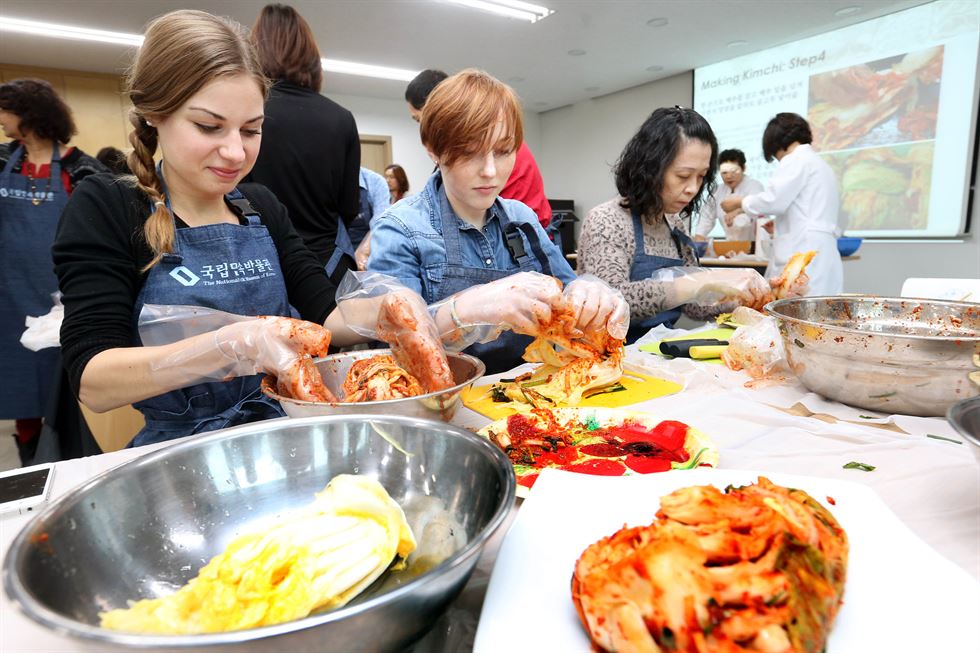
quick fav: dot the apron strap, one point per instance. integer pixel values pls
(244, 207)
(515, 245)
(681, 239)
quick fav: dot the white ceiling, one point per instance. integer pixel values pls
(620, 47)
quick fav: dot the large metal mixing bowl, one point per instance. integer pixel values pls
(440, 405)
(146, 527)
(965, 418)
(895, 355)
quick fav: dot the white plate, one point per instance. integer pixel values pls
(900, 595)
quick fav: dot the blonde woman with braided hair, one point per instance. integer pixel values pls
(184, 232)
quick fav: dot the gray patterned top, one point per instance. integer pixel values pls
(606, 248)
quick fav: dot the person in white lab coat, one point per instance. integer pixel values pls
(737, 224)
(803, 196)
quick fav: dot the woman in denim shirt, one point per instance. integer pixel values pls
(457, 233)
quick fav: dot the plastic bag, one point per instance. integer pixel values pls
(44, 331)
(757, 348)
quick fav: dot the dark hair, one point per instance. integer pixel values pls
(784, 130)
(40, 109)
(399, 174)
(286, 47)
(418, 90)
(732, 156)
(114, 159)
(640, 169)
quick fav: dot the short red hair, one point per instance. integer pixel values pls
(460, 115)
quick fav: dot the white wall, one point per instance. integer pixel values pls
(580, 143)
(390, 118)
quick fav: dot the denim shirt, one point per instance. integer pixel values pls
(407, 243)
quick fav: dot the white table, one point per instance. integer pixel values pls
(932, 485)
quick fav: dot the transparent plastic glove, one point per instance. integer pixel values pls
(378, 306)
(597, 306)
(521, 303)
(797, 288)
(360, 296)
(363, 252)
(239, 346)
(690, 285)
(757, 349)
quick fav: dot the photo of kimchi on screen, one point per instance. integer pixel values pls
(884, 187)
(892, 100)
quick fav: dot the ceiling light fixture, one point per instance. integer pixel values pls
(68, 32)
(510, 8)
(367, 70)
(53, 30)
(847, 11)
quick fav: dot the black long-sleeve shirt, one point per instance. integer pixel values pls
(310, 158)
(99, 251)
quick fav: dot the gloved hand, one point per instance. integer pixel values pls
(279, 346)
(270, 344)
(597, 306)
(797, 288)
(686, 285)
(521, 303)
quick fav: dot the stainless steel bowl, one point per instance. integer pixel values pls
(440, 405)
(908, 356)
(965, 418)
(146, 527)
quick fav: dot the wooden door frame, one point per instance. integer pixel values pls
(377, 139)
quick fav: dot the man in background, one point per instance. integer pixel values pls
(524, 184)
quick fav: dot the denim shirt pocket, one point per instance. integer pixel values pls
(432, 280)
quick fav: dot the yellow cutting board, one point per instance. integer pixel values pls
(639, 387)
(720, 334)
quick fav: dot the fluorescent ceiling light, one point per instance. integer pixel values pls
(68, 32)
(367, 70)
(509, 8)
(52, 30)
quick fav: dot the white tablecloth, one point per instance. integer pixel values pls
(932, 485)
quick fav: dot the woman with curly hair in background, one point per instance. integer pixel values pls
(663, 175)
(38, 174)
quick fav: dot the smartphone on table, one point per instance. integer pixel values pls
(22, 489)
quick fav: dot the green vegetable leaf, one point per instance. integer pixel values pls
(868, 417)
(616, 387)
(864, 467)
(939, 437)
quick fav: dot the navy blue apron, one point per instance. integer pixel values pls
(29, 214)
(505, 352)
(233, 268)
(644, 265)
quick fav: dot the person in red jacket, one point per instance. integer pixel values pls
(525, 183)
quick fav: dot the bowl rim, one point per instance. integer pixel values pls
(21, 598)
(481, 369)
(953, 414)
(773, 309)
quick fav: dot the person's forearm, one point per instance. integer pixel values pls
(124, 375)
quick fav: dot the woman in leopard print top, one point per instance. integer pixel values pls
(663, 174)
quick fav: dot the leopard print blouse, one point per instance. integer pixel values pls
(606, 248)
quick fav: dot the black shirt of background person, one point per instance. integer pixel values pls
(310, 158)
